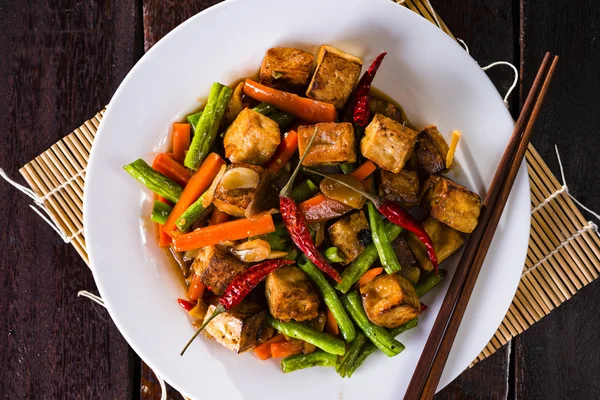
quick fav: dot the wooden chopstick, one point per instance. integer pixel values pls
(428, 372)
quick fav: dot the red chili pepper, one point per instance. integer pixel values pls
(360, 112)
(423, 307)
(185, 304)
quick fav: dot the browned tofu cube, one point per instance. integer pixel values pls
(446, 241)
(334, 143)
(239, 188)
(286, 69)
(431, 151)
(451, 203)
(390, 300)
(377, 105)
(217, 269)
(291, 295)
(252, 138)
(388, 143)
(335, 76)
(402, 187)
(238, 329)
(348, 235)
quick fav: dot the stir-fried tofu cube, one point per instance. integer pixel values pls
(252, 138)
(335, 76)
(388, 143)
(446, 241)
(348, 235)
(334, 143)
(291, 295)
(402, 187)
(217, 269)
(451, 203)
(240, 328)
(238, 188)
(403, 252)
(377, 105)
(390, 301)
(286, 69)
(431, 151)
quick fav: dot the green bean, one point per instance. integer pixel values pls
(387, 256)
(331, 299)
(160, 212)
(208, 125)
(363, 262)
(351, 354)
(369, 348)
(293, 254)
(310, 335)
(430, 281)
(301, 361)
(154, 180)
(192, 214)
(333, 255)
(304, 191)
(378, 335)
(264, 109)
(347, 167)
(193, 119)
(284, 119)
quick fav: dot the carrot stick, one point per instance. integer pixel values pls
(170, 168)
(218, 217)
(164, 240)
(307, 109)
(331, 324)
(285, 349)
(196, 289)
(369, 276)
(163, 200)
(197, 184)
(364, 170)
(263, 351)
(232, 230)
(284, 152)
(181, 141)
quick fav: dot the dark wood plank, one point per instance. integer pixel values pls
(60, 61)
(557, 357)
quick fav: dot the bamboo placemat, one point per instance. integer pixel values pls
(563, 255)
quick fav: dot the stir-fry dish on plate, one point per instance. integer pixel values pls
(290, 203)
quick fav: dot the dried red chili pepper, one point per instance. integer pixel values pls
(397, 215)
(423, 307)
(238, 289)
(186, 304)
(360, 112)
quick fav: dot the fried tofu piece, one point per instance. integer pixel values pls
(286, 69)
(291, 295)
(240, 328)
(451, 203)
(334, 143)
(252, 138)
(335, 76)
(446, 241)
(377, 105)
(390, 300)
(347, 235)
(403, 252)
(217, 268)
(388, 143)
(431, 151)
(402, 187)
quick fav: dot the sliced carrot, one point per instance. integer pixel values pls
(233, 230)
(331, 324)
(285, 349)
(263, 350)
(164, 240)
(284, 152)
(181, 141)
(198, 183)
(369, 276)
(196, 288)
(163, 200)
(368, 184)
(307, 109)
(170, 168)
(218, 217)
(364, 170)
(320, 208)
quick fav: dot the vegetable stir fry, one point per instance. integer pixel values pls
(289, 204)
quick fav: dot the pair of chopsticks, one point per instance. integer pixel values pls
(435, 354)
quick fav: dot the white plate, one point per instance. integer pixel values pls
(425, 70)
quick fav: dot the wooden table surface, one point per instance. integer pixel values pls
(61, 61)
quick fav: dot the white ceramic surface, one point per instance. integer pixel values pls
(425, 70)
